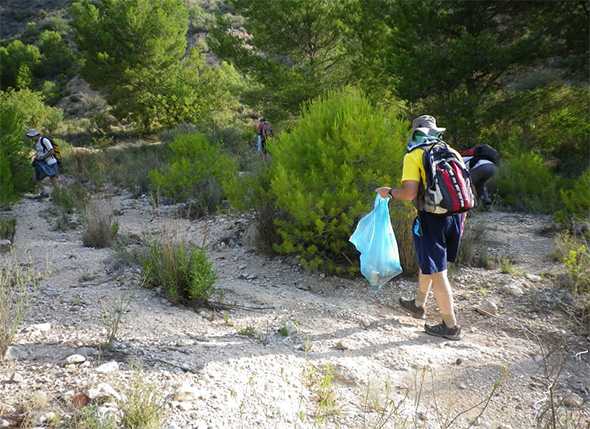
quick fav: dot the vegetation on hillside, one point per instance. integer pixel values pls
(339, 86)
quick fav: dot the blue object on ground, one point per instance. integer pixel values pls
(375, 240)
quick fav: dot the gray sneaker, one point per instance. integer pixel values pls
(442, 330)
(410, 305)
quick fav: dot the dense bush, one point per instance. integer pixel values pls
(575, 201)
(58, 58)
(183, 271)
(324, 172)
(18, 59)
(151, 82)
(198, 170)
(553, 121)
(15, 170)
(526, 183)
(19, 110)
(32, 108)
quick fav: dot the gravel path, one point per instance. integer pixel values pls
(213, 375)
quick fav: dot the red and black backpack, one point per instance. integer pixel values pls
(448, 183)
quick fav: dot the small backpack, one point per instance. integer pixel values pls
(484, 151)
(56, 150)
(448, 184)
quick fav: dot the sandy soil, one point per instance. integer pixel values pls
(264, 379)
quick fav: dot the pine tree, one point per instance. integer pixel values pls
(324, 173)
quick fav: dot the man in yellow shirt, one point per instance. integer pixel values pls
(436, 237)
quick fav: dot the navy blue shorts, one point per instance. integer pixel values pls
(436, 240)
(43, 170)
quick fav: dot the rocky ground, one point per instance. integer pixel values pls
(300, 349)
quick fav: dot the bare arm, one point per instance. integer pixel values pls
(407, 192)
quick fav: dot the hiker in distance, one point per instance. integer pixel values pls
(263, 132)
(482, 161)
(45, 161)
(436, 179)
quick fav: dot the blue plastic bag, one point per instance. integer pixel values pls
(375, 240)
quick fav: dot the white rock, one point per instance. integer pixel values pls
(186, 392)
(488, 307)
(75, 359)
(5, 423)
(513, 289)
(16, 378)
(533, 277)
(4, 247)
(108, 367)
(185, 406)
(39, 327)
(15, 353)
(103, 391)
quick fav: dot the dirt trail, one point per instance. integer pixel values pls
(264, 380)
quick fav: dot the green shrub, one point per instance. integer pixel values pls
(576, 200)
(101, 227)
(30, 105)
(15, 58)
(58, 58)
(526, 183)
(7, 228)
(553, 121)
(69, 198)
(574, 253)
(152, 82)
(143, 406)
(324, 172)
(251, 191)
(197, 172)
(183, 271)
(15, 169)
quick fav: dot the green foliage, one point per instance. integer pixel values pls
(324, 172)
(198, 170)
(552, 120)
(17, 62)
(143, 406)
(19, 110)
(290, 66)
(58, 58)
(183, 271)
(101, 227)
(575, 200)
(32, 109)
(150, 38)
(141, 67)
(526, 183)
(70, 198)
(15, 169)
(448, 58)
(7, 228)
(574, 253)
(251, 191)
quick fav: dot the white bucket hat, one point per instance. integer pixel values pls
(33, 133)
(426, 124)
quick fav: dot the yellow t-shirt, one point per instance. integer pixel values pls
(413, 169)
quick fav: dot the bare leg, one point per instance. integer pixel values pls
(443, 294)
(424, 283)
